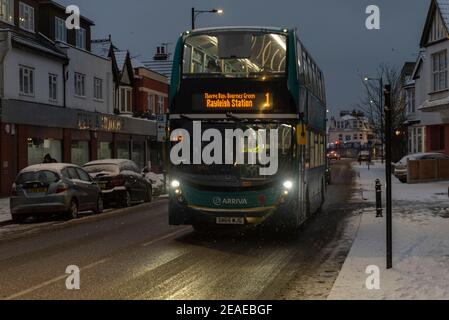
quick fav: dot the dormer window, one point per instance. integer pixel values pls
(60, 30)
(438, 29)
(81, 38)
(7, 11)
(26, 17)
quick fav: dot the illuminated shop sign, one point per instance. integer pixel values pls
(88, 121)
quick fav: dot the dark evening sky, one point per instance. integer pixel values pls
(332, 30)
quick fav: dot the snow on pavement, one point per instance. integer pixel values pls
(4, 210)
(421, 243)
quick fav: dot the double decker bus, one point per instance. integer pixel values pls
(256, 79)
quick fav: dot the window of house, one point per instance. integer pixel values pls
(81, 38)
(126, 100)
(80, 84)
(52, 87)
(26, 17)
(7, 11)
(26, 81)
(98, 89)
(438, 30)
(60, 30)
(439, 71)
(151, 104)
(160, 104)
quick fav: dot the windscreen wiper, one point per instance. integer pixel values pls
(233, 117)
(183, 116)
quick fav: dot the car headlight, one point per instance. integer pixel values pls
(288, 185)
(175, 184)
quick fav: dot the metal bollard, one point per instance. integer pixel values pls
(379, 209)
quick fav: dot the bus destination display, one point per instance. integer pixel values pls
(235, 101)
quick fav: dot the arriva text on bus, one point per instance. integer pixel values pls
(259, 151)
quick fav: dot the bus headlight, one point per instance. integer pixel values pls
(175, 184)
(288, 185)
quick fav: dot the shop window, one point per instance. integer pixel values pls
(138, 154)
(38, 148)
(80, 152)
(104, 150)
(123, 150)
(156, 154)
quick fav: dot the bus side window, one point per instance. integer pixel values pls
(187, 59)
(312, 150)
(300, 62)
(306, 68)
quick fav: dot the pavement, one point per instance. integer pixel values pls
(135, 254)
(420, 243)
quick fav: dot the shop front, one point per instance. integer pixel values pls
(67, 135)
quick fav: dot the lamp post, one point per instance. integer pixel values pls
(381, 94)
(389, 169)
(196, 13)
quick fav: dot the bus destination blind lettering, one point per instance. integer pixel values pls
(237, 101)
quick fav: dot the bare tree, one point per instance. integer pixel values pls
(372, 100)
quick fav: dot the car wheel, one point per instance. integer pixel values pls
(100, 206)
(126, 200)
(72, 213)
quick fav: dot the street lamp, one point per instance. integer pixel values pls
(381, 94)
(196, 13)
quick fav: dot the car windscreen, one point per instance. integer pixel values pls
(104, 168)
(44, 176)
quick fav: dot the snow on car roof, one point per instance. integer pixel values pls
(107, 161)
(48, 166)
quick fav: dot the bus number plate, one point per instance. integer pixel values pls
(231, 220)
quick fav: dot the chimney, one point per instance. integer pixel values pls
(160, 55)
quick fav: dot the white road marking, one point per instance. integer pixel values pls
(46, 283)
(179, 232)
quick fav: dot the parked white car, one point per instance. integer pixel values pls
(401, 167)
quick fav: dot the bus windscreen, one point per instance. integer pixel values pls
(235, 54)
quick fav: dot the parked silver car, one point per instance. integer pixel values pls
(54, 188)
(401, 168)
